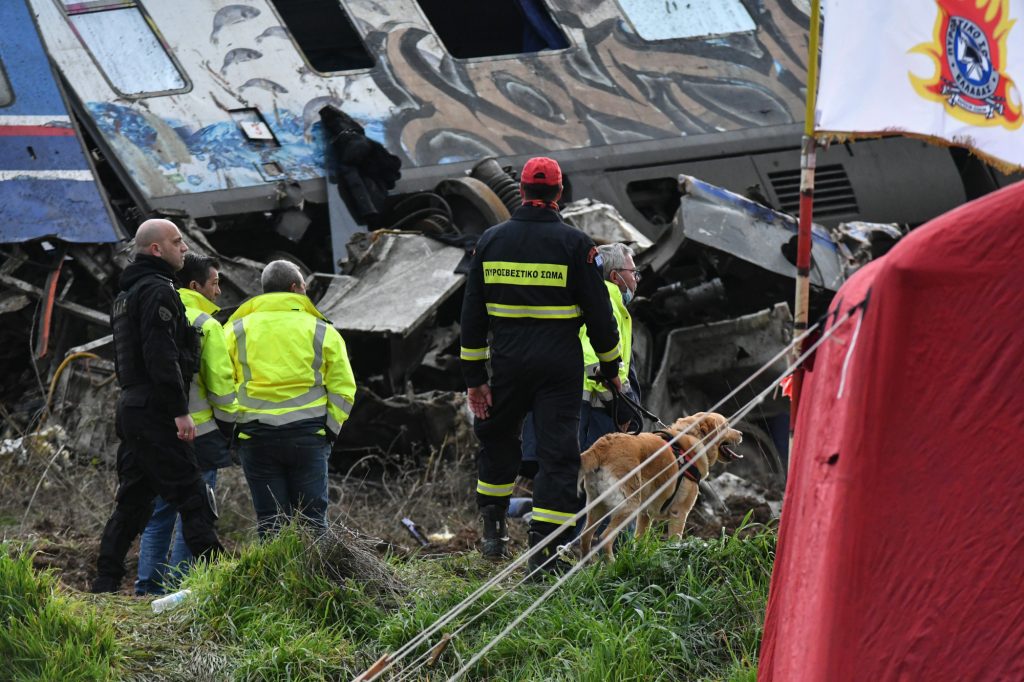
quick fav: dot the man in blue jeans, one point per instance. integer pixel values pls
(211, 403)
(295, 389)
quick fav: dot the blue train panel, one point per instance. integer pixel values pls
(47, 188)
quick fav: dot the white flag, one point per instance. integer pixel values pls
(946, 70)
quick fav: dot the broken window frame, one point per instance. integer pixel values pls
(73, 8)
(6, 90)
(347, 15)
(494, 57)
(624, 8)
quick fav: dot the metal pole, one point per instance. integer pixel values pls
(808, 160)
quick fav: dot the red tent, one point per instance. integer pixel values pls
(901, 549)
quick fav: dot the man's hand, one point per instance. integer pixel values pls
(616, 382)
(186, 428)
(480, 400)
(625, 427)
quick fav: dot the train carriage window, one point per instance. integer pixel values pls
(6, 94)
(471, 28)
(125, 46)
(325, 34)
(673, 19)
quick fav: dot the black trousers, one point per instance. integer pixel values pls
(152, 461)
(548, 382)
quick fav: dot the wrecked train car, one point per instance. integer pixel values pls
(212, 110)
(273, 128)
(51, 206)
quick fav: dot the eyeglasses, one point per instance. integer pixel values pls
(636, 275)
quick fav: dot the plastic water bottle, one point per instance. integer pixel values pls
(170, 601)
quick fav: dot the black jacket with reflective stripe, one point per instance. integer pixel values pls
(536, 268)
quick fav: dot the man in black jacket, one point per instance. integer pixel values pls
(156, 353)
(533, 281)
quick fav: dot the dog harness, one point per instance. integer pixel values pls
(682, 459)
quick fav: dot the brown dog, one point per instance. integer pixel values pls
(613, 456)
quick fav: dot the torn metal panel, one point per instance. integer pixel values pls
(701, 365)
(402, 278)
(716, 218)
(861, 242)
(92, 345)
(604, 224)
(47, 187)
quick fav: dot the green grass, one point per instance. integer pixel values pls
(290, 610)
(47, 635)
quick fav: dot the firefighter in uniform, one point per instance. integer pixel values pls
(295, 389)
(211, 402)
(156, 354)
(533, 281)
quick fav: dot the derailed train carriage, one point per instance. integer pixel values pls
(213, 112)
(211, 109)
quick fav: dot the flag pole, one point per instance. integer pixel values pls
(808, 161)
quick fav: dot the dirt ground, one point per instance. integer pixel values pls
(57, 505)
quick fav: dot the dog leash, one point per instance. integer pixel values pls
(637, 409)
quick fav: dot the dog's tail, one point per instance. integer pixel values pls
(588, 464)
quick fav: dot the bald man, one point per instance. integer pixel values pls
(156, 353)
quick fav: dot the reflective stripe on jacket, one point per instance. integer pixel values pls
(591, 361)
(212, 391)
(289, 363)
(533, 269)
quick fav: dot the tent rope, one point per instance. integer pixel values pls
(393, 659)
(607, 537)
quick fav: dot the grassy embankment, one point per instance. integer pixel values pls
(296, 610)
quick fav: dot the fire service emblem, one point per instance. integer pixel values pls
(969, 53)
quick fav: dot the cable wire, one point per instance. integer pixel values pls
(607, 537)
(455, 611)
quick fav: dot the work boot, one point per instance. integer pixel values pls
(105, 584)
(548, 561)
(495, 544)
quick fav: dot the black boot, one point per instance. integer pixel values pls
(105, 584)
(547, 561)
(495, 544)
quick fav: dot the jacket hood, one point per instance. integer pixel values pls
(277, 302)
(144, 265)
(194, 299)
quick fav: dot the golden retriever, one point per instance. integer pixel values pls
(614, 455)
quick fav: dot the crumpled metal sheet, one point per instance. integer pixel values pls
(400, 279)
(604, 224)
(718, 219)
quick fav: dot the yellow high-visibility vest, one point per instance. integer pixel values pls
(212, 391)
(289, 362)
(591, 361)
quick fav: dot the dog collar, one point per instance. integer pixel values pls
(682, 459)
